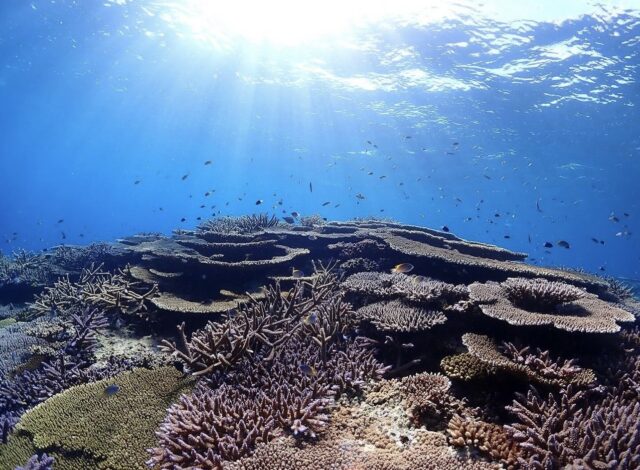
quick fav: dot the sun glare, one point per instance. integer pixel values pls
(286, 22)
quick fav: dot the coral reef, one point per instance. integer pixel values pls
(250, 343)
(538, 302)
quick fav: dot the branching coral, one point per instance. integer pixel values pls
(535, 367)
(428, 400)
(256, 327)
(490, 439)
(95, 289)
(245, 224)
(38, 462)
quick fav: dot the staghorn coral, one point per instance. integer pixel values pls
(23, 267)
(587, 314)
(243, 224)
(255, 327)
(573, 430)
(95, 289)
(257, 401)
(397, 316)
(71, 365)
(490, 439)
(535, 367)
(38, 462)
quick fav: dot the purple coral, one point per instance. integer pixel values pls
(38, 462)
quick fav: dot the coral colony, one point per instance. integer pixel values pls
(252, 344)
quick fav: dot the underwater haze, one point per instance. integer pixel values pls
(511, 123)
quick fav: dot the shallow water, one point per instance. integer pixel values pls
(345, 235)
(541, 101)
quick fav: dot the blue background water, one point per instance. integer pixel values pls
(98, 95)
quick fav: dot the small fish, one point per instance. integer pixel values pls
(595, 240)
(382, 177)
(295, 215)
(402, 268)
(613, 218)
(445, 228)
(184, 177)
(64, 235)
(538, 205)
(308, 370)
(208, 162)
(183, 220)
(487, 177)
(455, 144)
(60, 221)
(548, 245)
(311, 319)
(111, 389)
(564, 244)
(326, 203)
(507, 236)
(407, 136)
(207, 194)
(296, 273)
(259, 201)
(360, 196)
(310, 187)
(136, 182)
(289, 220)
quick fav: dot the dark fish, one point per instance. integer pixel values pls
(111, 389)
(370, 173)
(407, 136)
(507, 236)
(183, 220)
(295, 215)
(595, 240)
(136, 182)
(259, 201)
(184, 177)
(538, 205)
(308, 370)
(564, 244)
(487, 177)
(548, 245)
(360, 196)
(60, 221)
(289, 220)
(613, 218)
(529, 236)
(310, 187)
(456, 144)
(64, 236)
(402, 268)
(208, 162)
(207, 194)
(445, 228)
(369, 142)
(326, 203)
(382, 177)
(626, 214)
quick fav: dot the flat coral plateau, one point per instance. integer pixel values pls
(250, 343)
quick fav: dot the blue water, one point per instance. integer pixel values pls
(523, 123)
